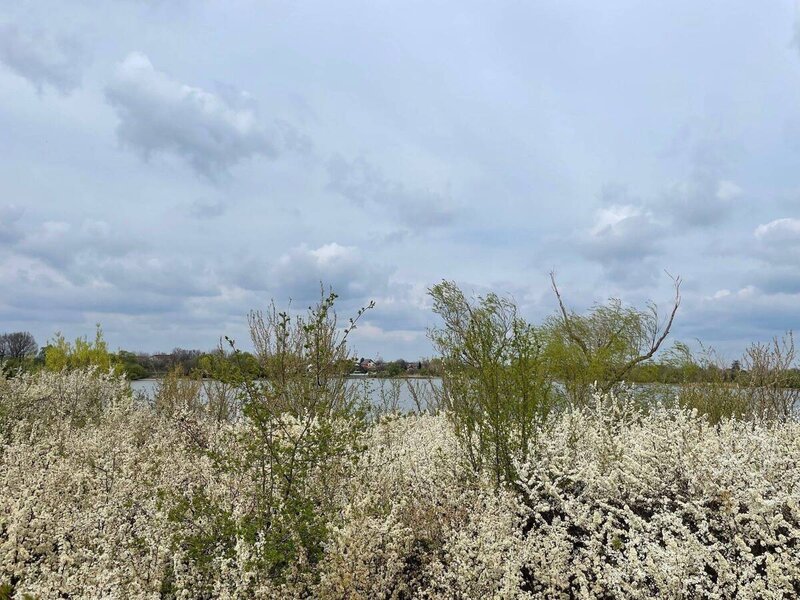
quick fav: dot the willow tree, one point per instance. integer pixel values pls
(496, 391)
(601, 347)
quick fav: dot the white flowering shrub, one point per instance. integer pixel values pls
(405, 495)
(101, 497)
(662, 505)
(79, 510)
(74, 396)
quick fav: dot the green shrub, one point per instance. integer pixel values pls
(60, 354)
(761, 387)
(496, 385)
(299, 435)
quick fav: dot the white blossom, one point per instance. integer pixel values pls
(612, 502)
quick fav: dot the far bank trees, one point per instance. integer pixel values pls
(17, 347)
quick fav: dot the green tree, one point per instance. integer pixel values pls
(603, 346)
(17, 351)
(496, 390)
(130, 365)
(61, 354)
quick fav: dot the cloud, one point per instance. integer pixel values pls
(622, 239)
(74, 300)
(768, 285)
(702, 201)
(778, 242)
(42, 59)
(396, 326)
(705, 198)
(777, 279)
(10, 233)
(68, 247)
(94, 255)
(32, 285)
(366, 187)
(205, 208)
(744, 315)
(351, 273)
(780, 230)
(624, 229)
(614, 193)
(391, 237)
(628, 231)
(91, 269)
(727, 190)
(297, 274)
(210, 131)
(370, 331)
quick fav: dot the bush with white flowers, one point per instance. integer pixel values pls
(103, 497)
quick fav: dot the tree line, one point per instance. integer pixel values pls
(610, 343)
(20, 351)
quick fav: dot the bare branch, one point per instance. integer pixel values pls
(572, 335)
(656, 344)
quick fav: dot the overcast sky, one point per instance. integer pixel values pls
(165, 166)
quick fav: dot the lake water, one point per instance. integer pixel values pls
(415, 394)
(400, 394)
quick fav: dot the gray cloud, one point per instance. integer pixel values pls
(93, 268)
(170, 276)
(37, 286)
(706, 197)
(761, 299)
(629, 232)
(702, 201)
(617, 194)
(42, 59)
(777, 250)
(367, 187)
(741, 315)
(622, 232)
(782, 231)
(297, 274)
(394, 236)
(205, 208)
(98, 300)
(10, 232)
(778, 242)
(97, 258)
(777, 279)
(623, 239)
(67, 247)
(211, 131)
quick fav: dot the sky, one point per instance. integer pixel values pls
(167, 166)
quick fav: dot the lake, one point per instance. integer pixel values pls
(399, 394)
